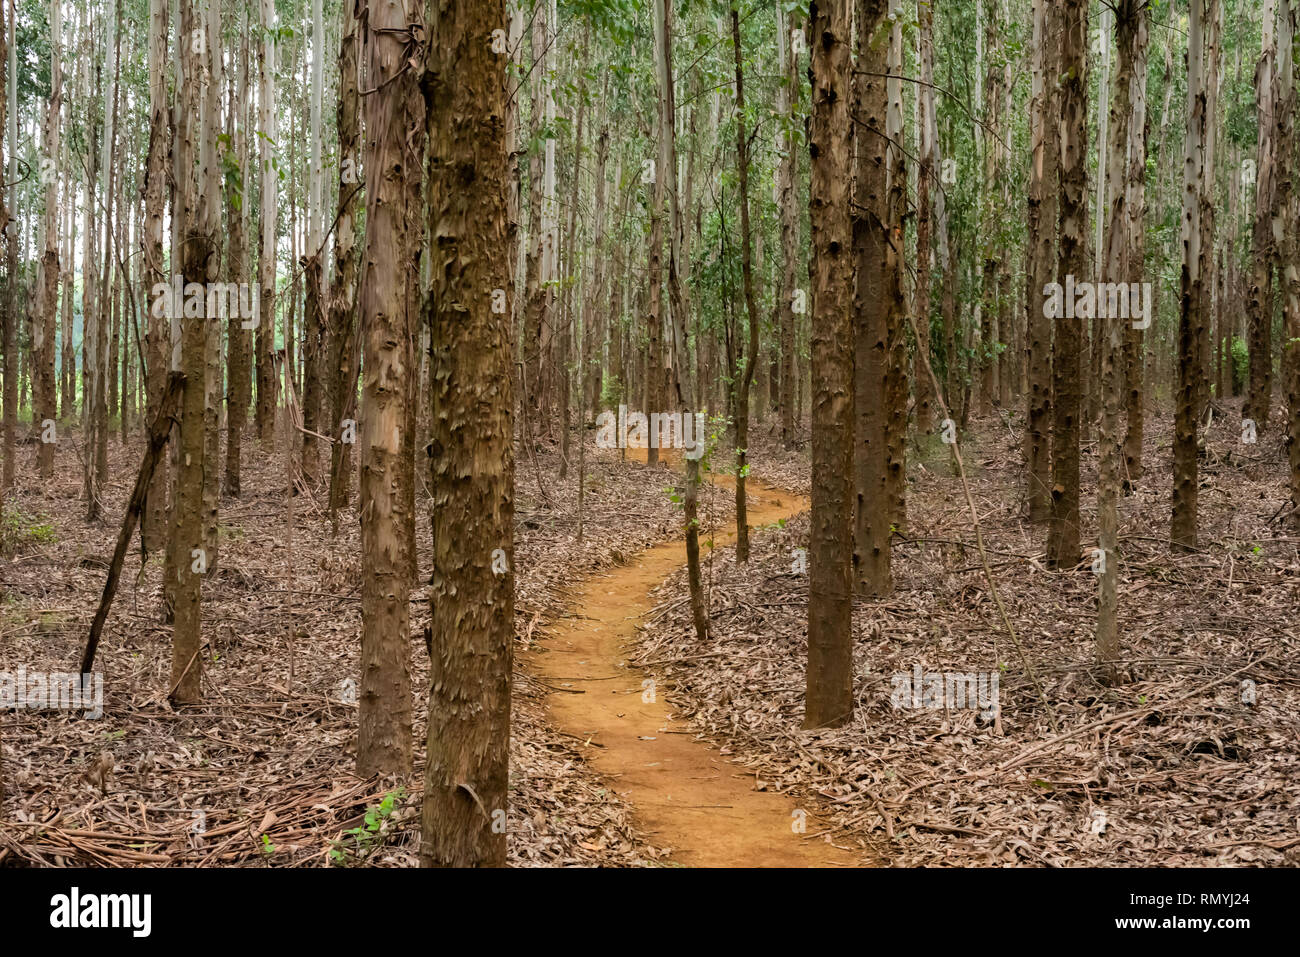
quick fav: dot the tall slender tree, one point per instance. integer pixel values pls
(472, 457)
(1193, 298)
(266, 126)
(395, 120)
(751, 304)
(44, 388)
(313, 271)
(342, 327)
(200, 211)
(1039, 268)
(787, 198)
(1259, 301)
(873, 305)
(829, 690)
(239, 384)
(153, 522)
(1072, 260)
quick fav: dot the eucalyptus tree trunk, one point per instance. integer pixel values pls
(5, 313)
(342, 365)
(1133, 50)
(987, 139)
(787, 94)
(157, 337)
(472, 587)
(570, 274)
(313, 319)
(239, 385)
(1039, 266)
(91, 368)
(537, 308)
(199, 208)
(829, 689)
(1191, 316)
(873, 306)
(212, 176)
(1286, 236)
(1118, 267)
(395, 121)
(679, 303)
(10, 331)
(654, 379)
(896, 206)
(265, 335)
(925, 171)
(592, 325)
(1259, 303)
(67, 260)
(1072, 259)
(751, 307)
(44, 389)
(105, 298)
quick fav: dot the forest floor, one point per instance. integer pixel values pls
(687, 795)
(262, 773)
(1193, 760)
(1172, 766)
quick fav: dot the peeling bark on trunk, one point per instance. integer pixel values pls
(751, 307)
(394, 121)
(787, 195)
(342, 326)
(45, 328)
(1259, 303)
(1134, 393)
(873, 304)
(153, 526)
(237, 337)
(829, 690)
(199, 215)
(1072, 259)
(472, 460)
(265, 335)
(1193, 298)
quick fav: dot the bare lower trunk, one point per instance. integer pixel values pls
(395, 120)
(829, 690)
(1068, 351)
(873, 304)
(472, 585)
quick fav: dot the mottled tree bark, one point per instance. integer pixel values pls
(391, 29)
(472, 460)
(1192, 292)
(239, 384)
(45, 327)
(751, 306)
(829, 690)
(872, 307)
(157, 339)
(342, 328)
(199, 217)
(1072, 259)
(265, 335)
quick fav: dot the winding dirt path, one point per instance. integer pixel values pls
(683, 793)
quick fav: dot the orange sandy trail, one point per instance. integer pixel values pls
(683, 793)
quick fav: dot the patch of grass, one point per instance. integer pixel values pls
(18, 530)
